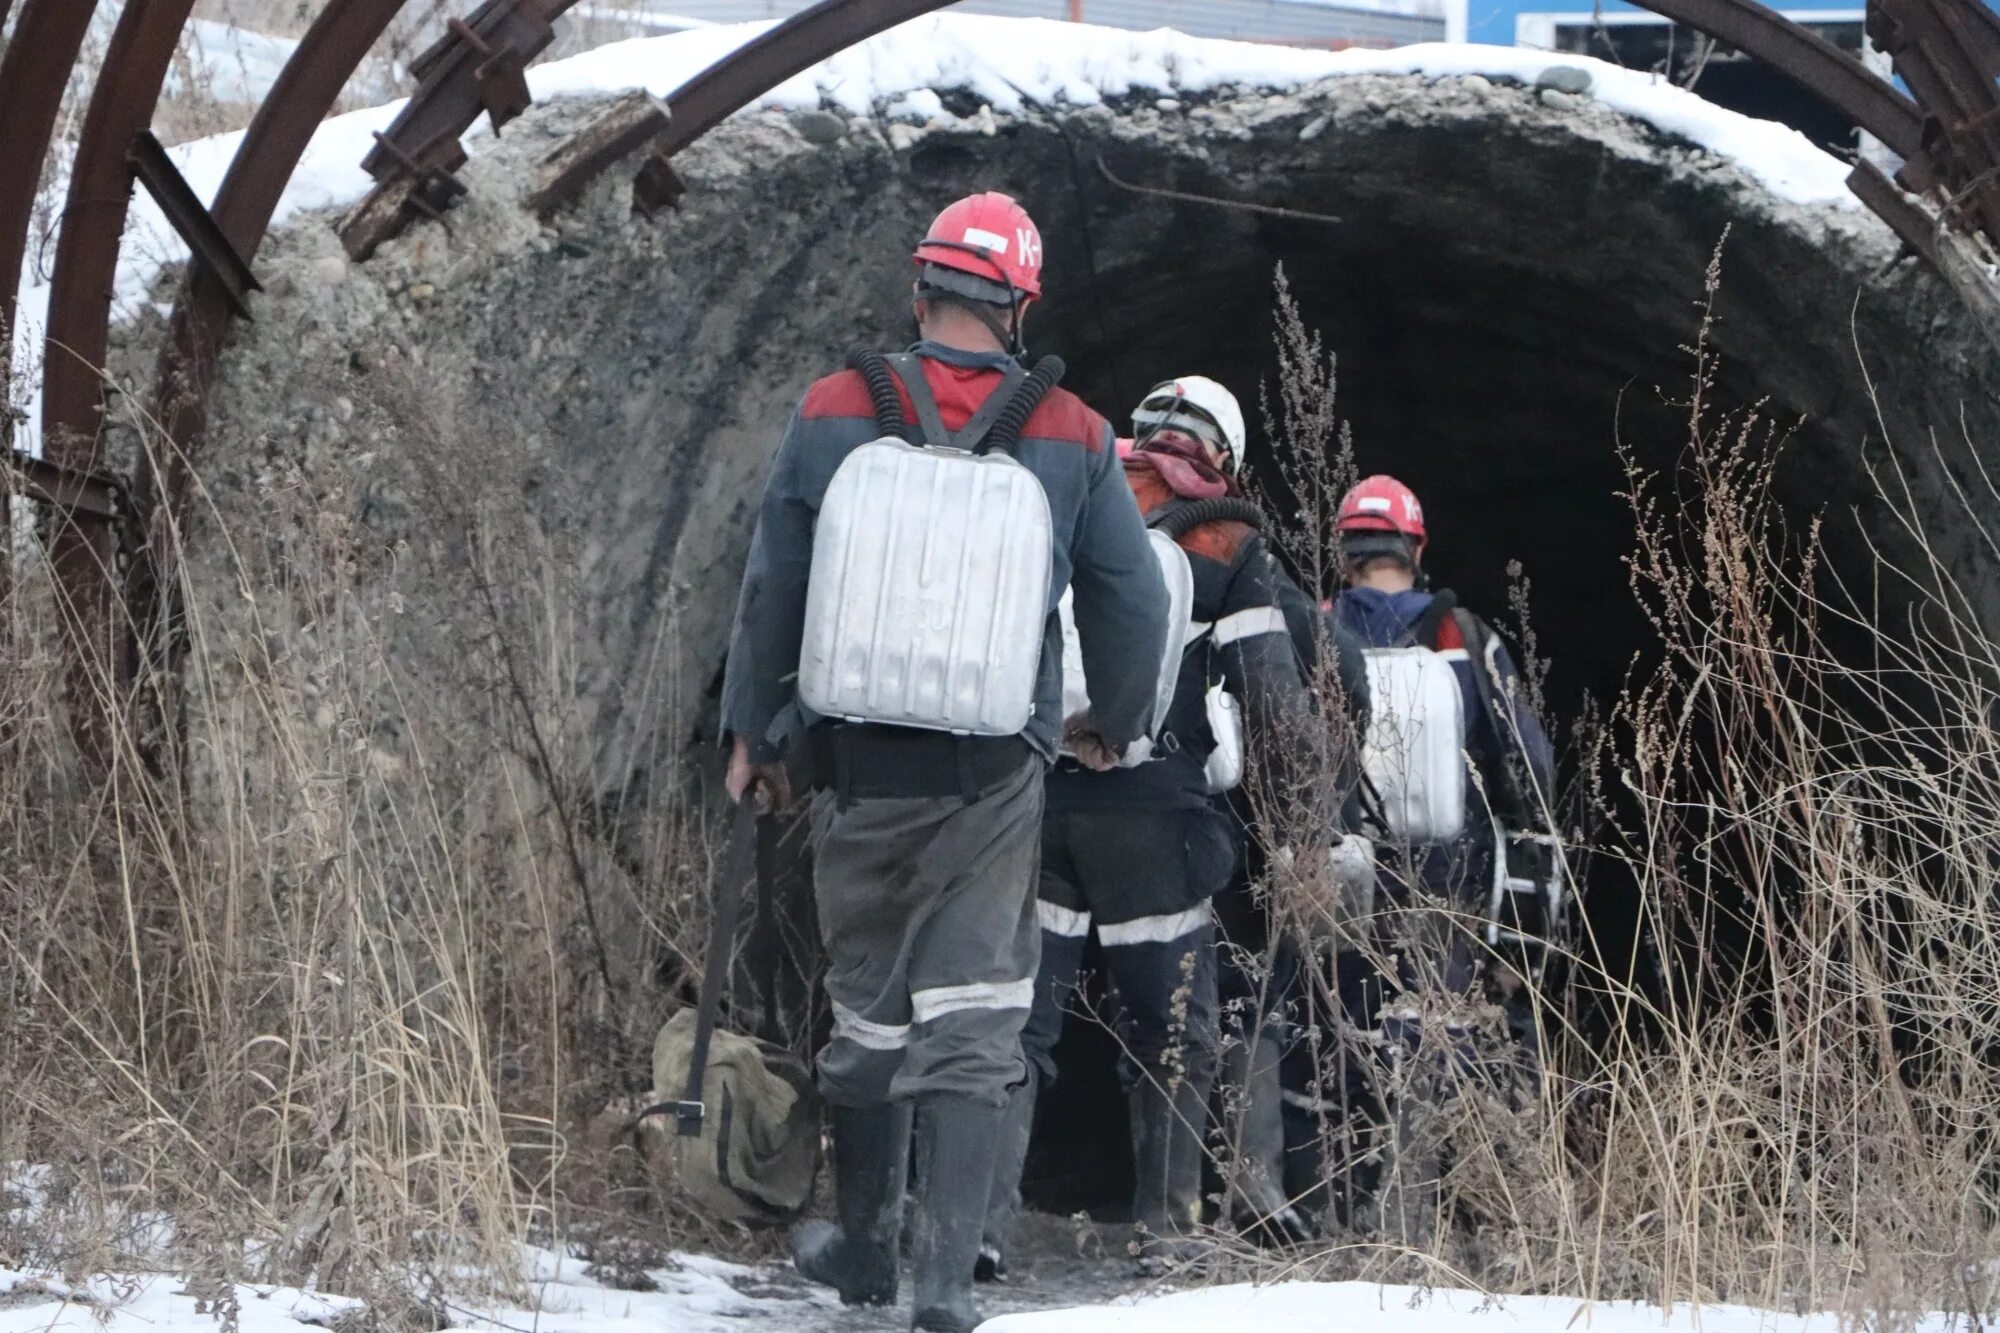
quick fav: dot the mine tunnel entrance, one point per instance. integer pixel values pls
(1503, 331)
(1509, 291)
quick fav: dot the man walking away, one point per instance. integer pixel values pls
(1137, 852)
(1438, 848)
(926, 840)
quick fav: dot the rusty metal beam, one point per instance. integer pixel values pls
(478, 67)
(304, 94)
(86, 556)
(1890, 203)
(756, 67)
(1950, 64)
(634, 121)
(1809, 60)
(182, 206)
(95, 495)
(100, 195)
(33, 73)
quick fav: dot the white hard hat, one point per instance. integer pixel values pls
(1199, 406)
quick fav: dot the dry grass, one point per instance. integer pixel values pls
(364, 971)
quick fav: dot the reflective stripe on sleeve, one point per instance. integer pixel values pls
(1249, 624)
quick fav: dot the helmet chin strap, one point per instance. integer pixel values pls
(1007, 333)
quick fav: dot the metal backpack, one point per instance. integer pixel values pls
(928, 595)
(1413, 752)
(1179, 580)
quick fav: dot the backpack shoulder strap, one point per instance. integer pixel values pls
(1424, 633)
(1477, 639)
(911, 372)
(909, 369)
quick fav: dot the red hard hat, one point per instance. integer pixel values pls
(988, 236)
(1383, 504)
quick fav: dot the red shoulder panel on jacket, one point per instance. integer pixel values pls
(1449, 634)
(1219, 541)
(841, 394)
(1063, 416)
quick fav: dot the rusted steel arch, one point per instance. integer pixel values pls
(304, 94)
(1807, 59)
(790, 48)
(85, 555)
(34, 71)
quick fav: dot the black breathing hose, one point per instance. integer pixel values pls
(873, 367)
(1187, 517)
(1006, 432)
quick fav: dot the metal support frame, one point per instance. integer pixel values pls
(177, 199)
(95, 495)
(629, 125)
(1947, 50)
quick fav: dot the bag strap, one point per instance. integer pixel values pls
(910, 371)
(768, 832)
(1477, 637)
(725, 906)
(1424, 630)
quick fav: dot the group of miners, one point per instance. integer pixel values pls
(1053, 684)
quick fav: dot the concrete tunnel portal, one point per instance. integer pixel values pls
(1509, 291)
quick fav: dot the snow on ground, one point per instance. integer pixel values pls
(1340, 1307)
(702, 1295)
(1008, 62)
(151, 1303)
(695, 1294)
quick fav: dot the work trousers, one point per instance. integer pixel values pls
(1142, 877)
(927, 912)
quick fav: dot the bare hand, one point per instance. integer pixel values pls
(772, 782)
(1081, 739)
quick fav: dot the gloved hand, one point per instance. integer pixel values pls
(771, 781)
(1352, 860)
(1081, 739)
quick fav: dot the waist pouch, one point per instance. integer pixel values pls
(863, 762)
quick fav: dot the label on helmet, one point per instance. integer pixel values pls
(1373, 504)
(986, 240)
(1031, 247)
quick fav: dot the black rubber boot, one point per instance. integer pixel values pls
(871, 1160)
(1003, 1203)
(957, 1140)
(1169, 1123)
(1257, 1175)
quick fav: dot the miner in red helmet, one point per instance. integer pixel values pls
(1435, 809)
(926, 827)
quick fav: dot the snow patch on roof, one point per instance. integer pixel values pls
(1011, 63)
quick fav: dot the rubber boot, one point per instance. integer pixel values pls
(871, 1160)
(1003, 1203)
(1260, 1202)
(957, 1140)
(1168, 1132)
